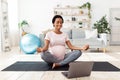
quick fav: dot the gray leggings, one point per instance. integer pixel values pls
(69, 57)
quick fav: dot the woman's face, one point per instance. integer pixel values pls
(58, 23)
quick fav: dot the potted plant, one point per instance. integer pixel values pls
(102, 28)
(23, 24)
(102, 25)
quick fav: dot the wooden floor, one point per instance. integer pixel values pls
(112, 55)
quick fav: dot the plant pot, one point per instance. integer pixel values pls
(23, 33)
(103, 36)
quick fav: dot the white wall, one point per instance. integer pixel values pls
(13, 22)
(39, 13)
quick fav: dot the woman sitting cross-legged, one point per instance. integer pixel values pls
(54, 48)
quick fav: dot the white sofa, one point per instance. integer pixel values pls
(78, 38)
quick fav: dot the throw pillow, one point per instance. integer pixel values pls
(91, 33)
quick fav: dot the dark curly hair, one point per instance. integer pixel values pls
(57, 16)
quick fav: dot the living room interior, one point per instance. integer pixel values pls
(91, 22)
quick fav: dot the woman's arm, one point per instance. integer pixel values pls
(76, 48)
(45, 47)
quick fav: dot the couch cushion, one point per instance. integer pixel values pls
(78, 33)
(91, 33)
(92, 42)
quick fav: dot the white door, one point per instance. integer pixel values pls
(0, 25)
(115, 26)
(0, 39)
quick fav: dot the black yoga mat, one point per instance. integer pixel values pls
(43, 66)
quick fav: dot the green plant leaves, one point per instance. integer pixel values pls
(87, 5)
(22, 23)
(102, 25)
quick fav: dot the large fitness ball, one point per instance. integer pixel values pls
(29, 43)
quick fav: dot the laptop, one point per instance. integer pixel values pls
(79, 69)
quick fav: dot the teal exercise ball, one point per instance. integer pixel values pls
(29, 43)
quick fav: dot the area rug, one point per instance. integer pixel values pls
(43, 66)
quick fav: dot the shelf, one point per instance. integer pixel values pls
(4, 26)
(67, 7)
(75, 21)
(73, 15)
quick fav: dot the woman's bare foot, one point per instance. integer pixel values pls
(55, 65)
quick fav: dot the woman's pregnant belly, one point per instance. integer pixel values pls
(58, 51)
